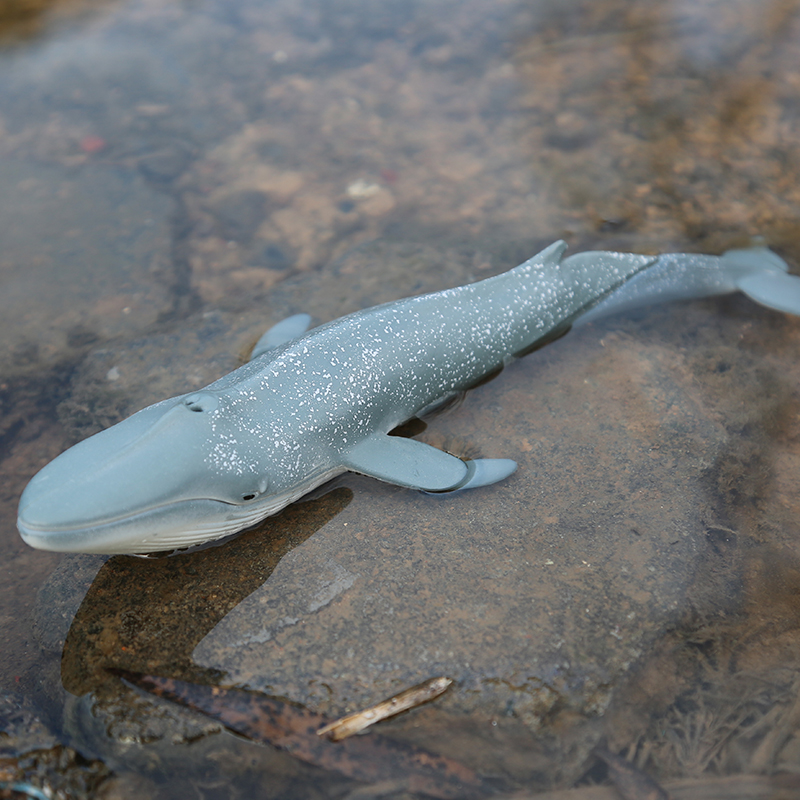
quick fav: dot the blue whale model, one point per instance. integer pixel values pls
(310, 405)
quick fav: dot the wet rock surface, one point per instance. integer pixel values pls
(637, 442)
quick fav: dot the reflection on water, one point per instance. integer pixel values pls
(136, 605)
(174, 178)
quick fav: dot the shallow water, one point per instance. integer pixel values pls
(174, 178)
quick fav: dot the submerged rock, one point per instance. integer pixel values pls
(537, 595)
(82, 262)
(34, 763)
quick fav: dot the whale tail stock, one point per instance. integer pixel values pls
(756, 271)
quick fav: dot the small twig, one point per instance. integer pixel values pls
(410, 698)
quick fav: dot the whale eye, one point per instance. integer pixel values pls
(250, 496)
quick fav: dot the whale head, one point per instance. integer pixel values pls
(178, 473)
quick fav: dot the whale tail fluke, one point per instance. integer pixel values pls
(755, 259)
(777, 290)
(765, 278)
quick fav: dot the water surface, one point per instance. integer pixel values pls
(174, 178)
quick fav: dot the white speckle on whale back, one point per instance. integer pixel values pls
(296, 409)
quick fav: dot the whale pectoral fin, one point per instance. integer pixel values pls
(485, 471)
(407, 462)
(286, 330)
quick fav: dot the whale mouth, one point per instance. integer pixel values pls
(172, 526)
(169, 527)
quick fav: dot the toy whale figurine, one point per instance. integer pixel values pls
(310, 405)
